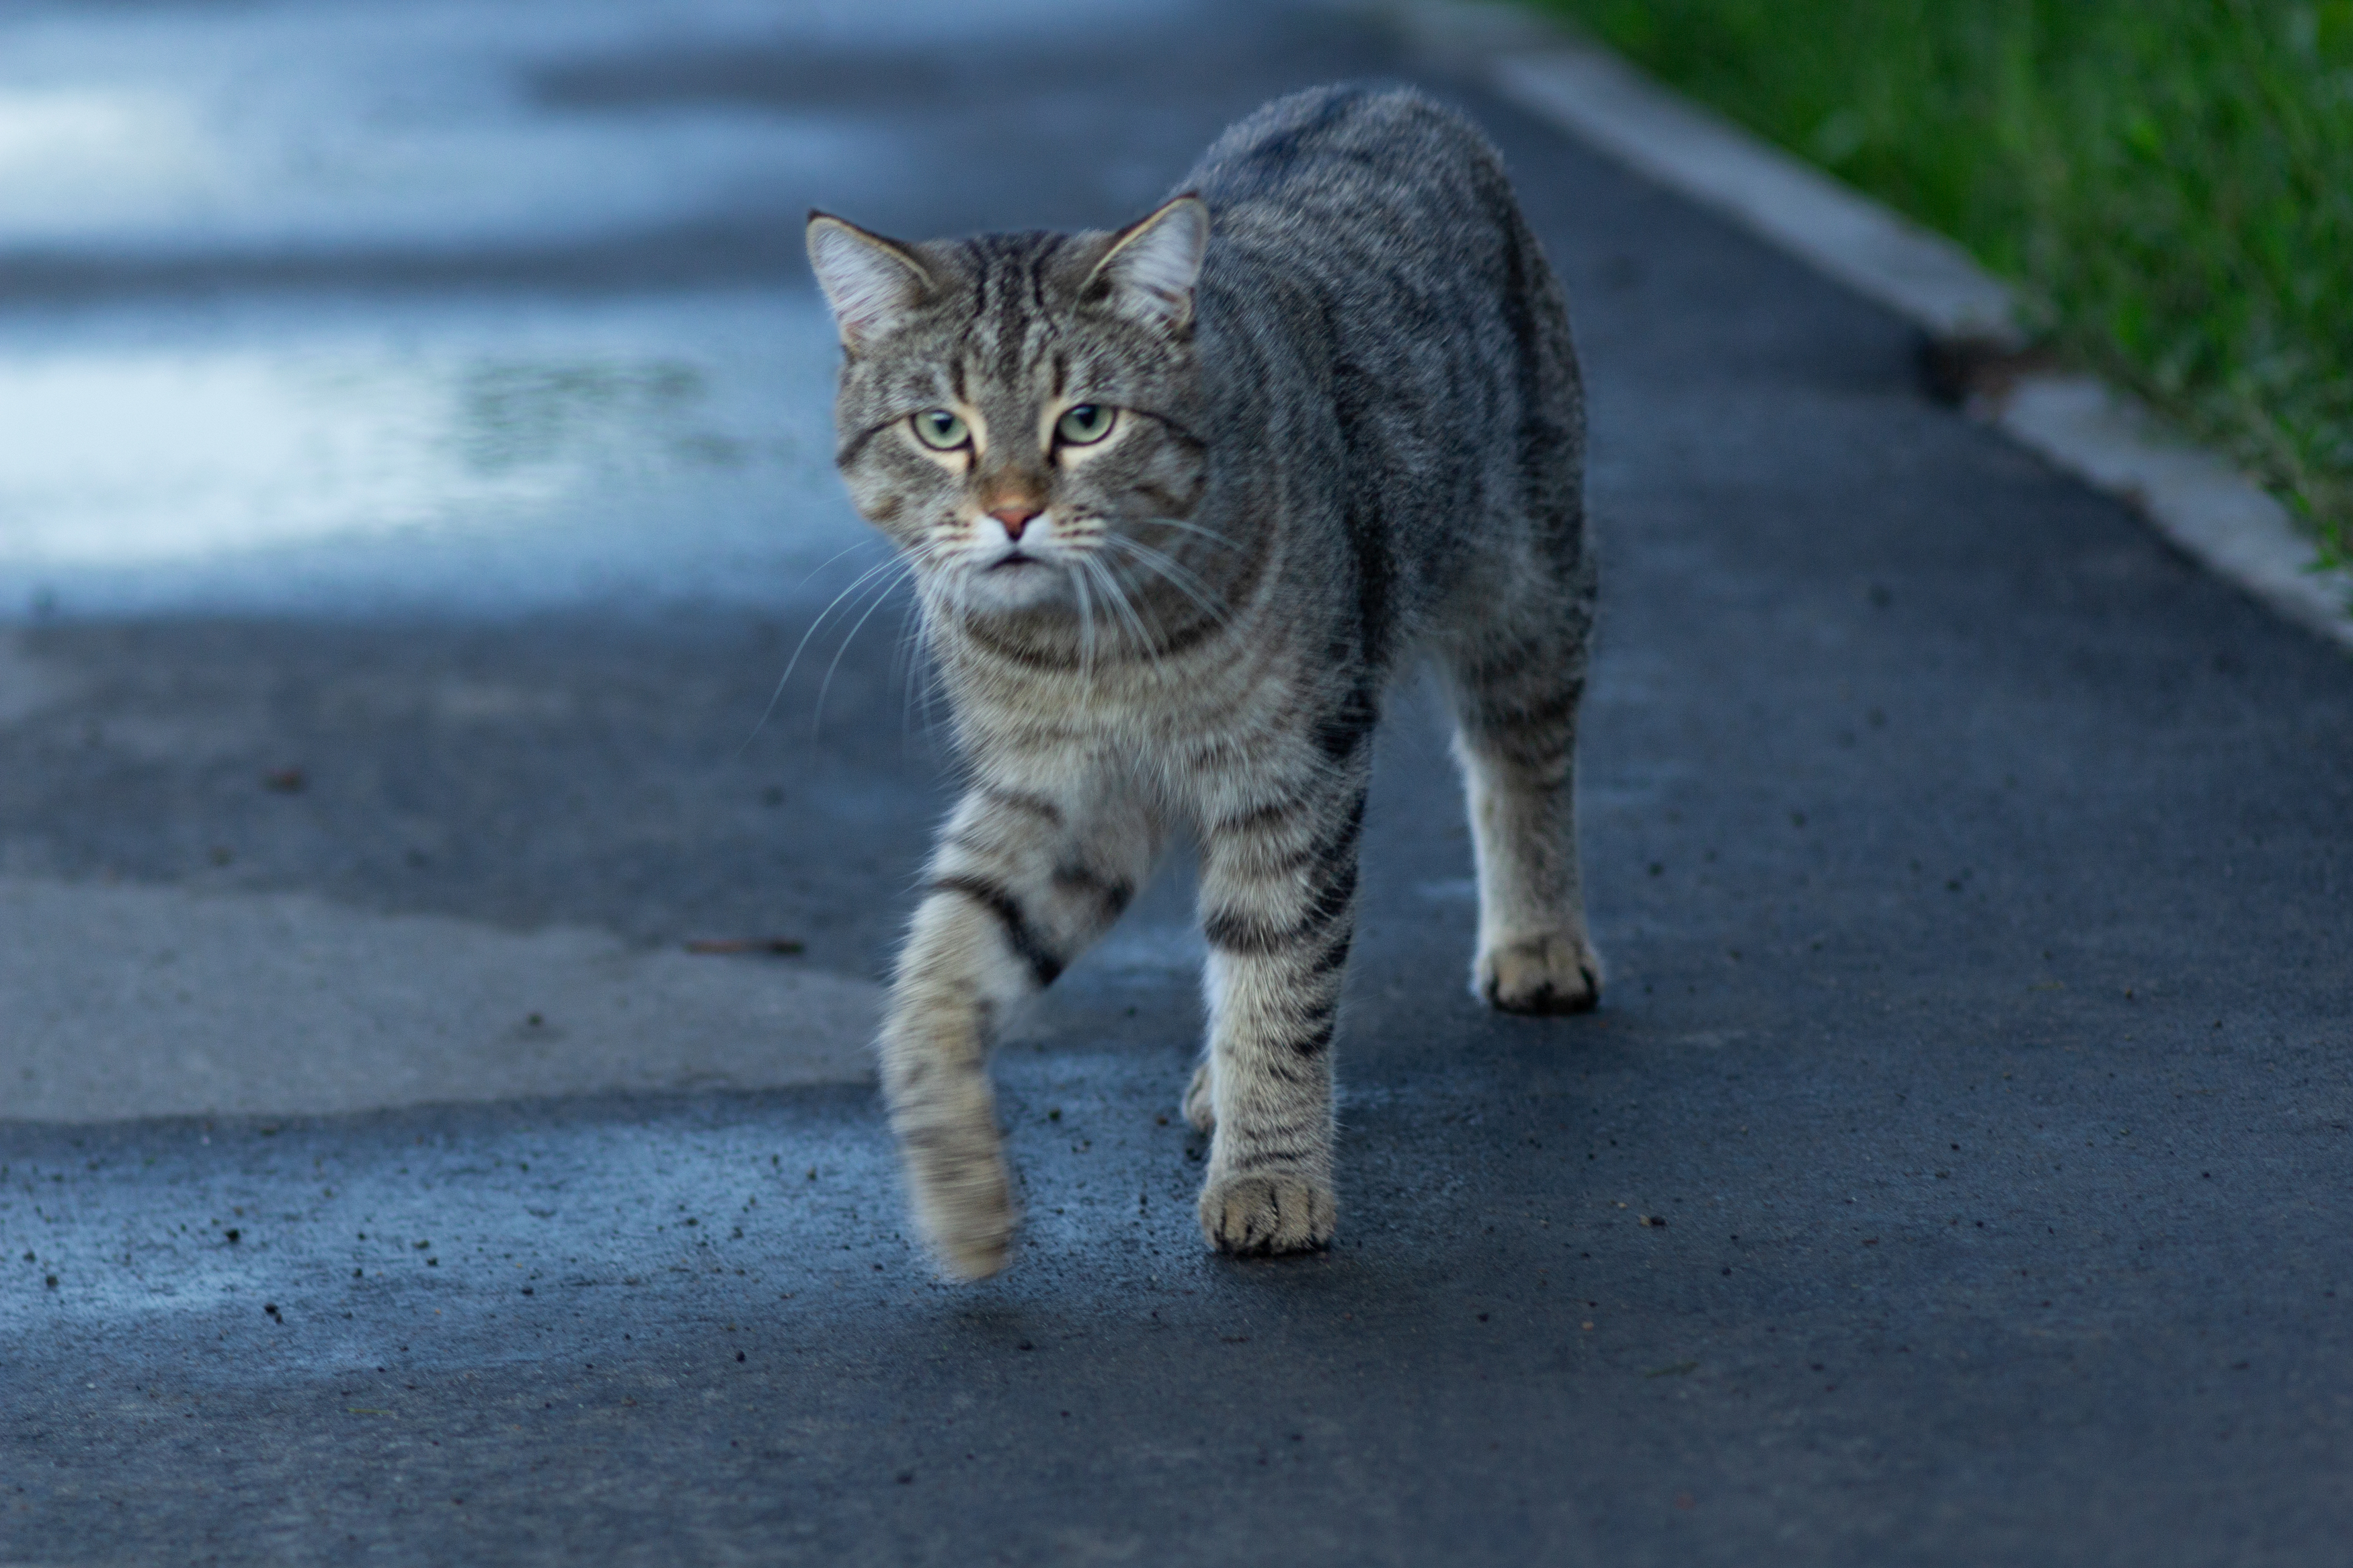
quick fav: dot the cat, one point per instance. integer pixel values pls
(1178, 502)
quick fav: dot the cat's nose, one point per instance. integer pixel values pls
(1016, 519)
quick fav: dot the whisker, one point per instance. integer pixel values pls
(1086, 627)
(1120, 600)
(793, 663)
(940, 599)
(1173, 568)
(913, 667)
(868, 542)
(1212, 534)
(1175, 573)
(881, 597)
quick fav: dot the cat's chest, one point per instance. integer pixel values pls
(1172, 717)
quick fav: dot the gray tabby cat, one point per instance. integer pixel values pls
(1178, 501)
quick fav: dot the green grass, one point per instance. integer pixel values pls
(2168, 182)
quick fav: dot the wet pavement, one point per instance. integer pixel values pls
(413, 484)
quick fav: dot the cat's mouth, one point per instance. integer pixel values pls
(1018, 581)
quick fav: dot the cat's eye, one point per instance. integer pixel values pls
(1084, 425)
(941, 430)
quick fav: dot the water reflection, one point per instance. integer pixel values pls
(81, 156)
(496, 453)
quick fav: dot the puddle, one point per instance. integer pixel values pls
(459, 455)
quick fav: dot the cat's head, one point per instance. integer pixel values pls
(1019, 413)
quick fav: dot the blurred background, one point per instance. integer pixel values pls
(2168, 182)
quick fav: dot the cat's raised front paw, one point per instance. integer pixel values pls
(1552, 973)
(964, 1209)
(1266, 1213)
(980, 1255)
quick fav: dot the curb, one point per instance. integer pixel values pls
(1921, 276)
(2108, 439)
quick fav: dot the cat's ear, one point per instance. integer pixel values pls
(1153, 264)
(873, 283)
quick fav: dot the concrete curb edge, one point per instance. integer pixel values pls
(2108, 439)
(1919, 275)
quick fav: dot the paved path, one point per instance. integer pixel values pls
(434, 408)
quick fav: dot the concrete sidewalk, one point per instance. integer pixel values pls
(1956, 1173)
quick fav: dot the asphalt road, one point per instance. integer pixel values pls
(413, 489)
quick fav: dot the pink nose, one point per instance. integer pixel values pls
(1016, 519)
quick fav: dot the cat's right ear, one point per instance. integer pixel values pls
(873, 283)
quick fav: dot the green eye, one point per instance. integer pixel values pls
(940, 430)
(1085, 425)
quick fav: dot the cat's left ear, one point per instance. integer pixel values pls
(1153, 264)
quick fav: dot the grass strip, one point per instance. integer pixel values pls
(2168, 183)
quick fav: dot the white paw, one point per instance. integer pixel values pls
(1200, 1108)
(964, 1203)
(1552, 972)
(1267, 1213)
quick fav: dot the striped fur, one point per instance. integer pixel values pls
(1348, 434)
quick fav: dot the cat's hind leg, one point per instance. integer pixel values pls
(1022, 881)
(1201, 1098)
(1515, 703)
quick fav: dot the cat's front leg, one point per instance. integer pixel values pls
(1022, 881)
(1278, 907)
